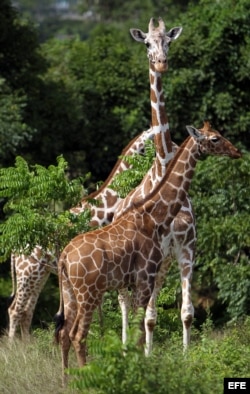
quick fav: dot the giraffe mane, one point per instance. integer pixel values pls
(170, 166)
(108, 180)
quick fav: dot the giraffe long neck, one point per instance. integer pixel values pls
(104, 192)
(121, 164)
(165, 201)
(163, 143)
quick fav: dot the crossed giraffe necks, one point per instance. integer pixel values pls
(30, 272)
(128, 252)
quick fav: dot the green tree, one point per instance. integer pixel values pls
(108, 77)
(94, 97)
(20, 66)
(98, 108)
(14, 132)
(37, 200)
(220, 194)
(210, 67)
(133, 11)
(20, 60)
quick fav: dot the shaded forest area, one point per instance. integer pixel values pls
(73, 83)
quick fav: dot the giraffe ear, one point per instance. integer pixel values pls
(174, 33)
(138, 35)
(195, 133)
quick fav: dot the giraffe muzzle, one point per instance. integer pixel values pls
(161, 66)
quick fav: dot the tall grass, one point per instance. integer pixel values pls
(32, 367)
(35, 367)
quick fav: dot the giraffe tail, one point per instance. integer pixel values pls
(13, 279)
(59, 318)
(59, 322)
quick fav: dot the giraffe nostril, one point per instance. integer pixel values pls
(162, 61)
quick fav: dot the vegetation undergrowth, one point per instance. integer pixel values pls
(213, 356)
(35, 366)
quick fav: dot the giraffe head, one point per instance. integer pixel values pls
(211, 141)
(157, 41)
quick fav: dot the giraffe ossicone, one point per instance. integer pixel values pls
(157, 41)
(129, 251)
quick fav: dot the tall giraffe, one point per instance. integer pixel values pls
(129, 251)
(181, 238)
(30, 272)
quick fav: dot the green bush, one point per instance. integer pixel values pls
(37, 200)
(115, 368)
(220, 195)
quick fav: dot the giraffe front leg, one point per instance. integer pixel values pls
(143, 297)
(187, 309)
(151, 311)
(124, 302)
(150, 322)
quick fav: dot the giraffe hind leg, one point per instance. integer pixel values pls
(63, 338)
(25, 324)
(80, 328)
(14, 320)
(15, 312)
(11, 299)
(78, 336)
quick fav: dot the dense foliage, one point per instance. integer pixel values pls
(220, 194)
(86, 99)
(36, 366)
(97, 77)
(20, 63)
(116, 368)
(86, 96)
(37, 200)
(210, 68)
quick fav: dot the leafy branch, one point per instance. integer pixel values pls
(37, 202)
(139, 164)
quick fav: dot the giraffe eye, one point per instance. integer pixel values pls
(215, 140)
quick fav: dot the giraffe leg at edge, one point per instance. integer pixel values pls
(13, 323)
(65, 347)
(150, 322)
(151, 311)
(124, 302)
(15, 312)
(187, 309)
(28, 313)
(80, 328)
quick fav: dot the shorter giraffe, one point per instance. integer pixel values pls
(30, 272)
(127, 252)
